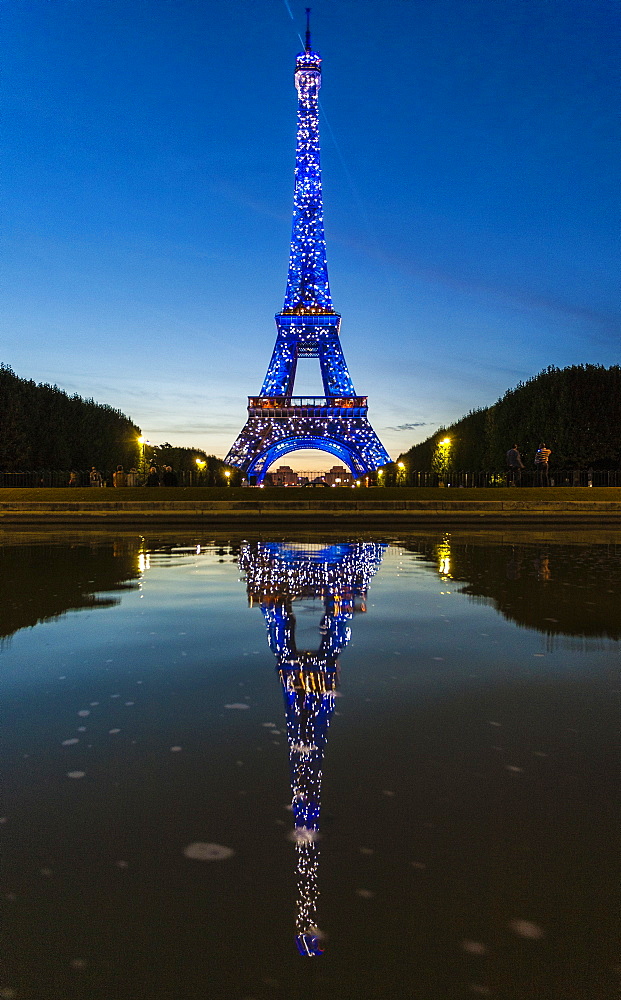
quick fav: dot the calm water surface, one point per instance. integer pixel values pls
(299, 768)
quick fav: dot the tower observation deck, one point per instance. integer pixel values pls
(307, 327)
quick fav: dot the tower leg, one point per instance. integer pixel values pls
(280, 377)
(334, 371)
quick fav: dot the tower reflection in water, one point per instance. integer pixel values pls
(277, 575)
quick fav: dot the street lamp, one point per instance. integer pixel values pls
(228, 477)
(442, 459)
(401, 474)
(142, 441)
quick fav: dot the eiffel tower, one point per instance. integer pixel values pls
(308, 327)
(277, 574)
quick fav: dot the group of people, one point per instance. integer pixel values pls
(515, 465)
(167, 478)
(132, 478)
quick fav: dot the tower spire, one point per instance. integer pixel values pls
(308, 290)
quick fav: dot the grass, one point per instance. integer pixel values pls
(291, 495)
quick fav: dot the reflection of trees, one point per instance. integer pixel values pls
(39, 581)
(559, 589)
(277, 575)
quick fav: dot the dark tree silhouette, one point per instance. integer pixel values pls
(41, 427)
(575, 410)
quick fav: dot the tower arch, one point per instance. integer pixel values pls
(342, 450)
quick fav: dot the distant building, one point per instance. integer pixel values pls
(339, 476)
(284, 476)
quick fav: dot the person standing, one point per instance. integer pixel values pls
(514, 466)
(94, 477)
(153, 479)
(118, 477)
(132, 478)
(169, 478)
(542, 458)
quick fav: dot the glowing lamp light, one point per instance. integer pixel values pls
(445, 441)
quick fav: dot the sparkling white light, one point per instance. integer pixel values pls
(307, 327)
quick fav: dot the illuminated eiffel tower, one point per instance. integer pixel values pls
(308, 327)
(278, 574)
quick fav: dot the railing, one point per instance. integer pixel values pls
(490, 479)
(267, 402)
(307, 406)
(57, 478)
(453, 479)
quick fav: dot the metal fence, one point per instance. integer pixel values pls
(458, 478)
(55, 477)
(521, 478)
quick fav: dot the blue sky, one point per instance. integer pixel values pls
(470, 169)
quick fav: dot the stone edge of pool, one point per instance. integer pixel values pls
(370, 512)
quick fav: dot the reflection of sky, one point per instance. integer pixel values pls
(463, 791)
(188, 615)
(429, 636)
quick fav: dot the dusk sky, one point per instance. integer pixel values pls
(470, 180)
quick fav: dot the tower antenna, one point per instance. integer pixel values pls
(308, 38)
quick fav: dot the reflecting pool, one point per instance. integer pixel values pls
(314, 766)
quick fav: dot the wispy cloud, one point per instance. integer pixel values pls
(410, 427)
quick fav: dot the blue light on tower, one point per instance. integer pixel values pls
(308, 327)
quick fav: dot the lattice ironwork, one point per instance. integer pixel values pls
(308, 327)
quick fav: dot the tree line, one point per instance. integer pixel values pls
(42, 427)
(208, 470)
(575, 410)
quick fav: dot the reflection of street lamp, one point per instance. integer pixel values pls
(443, 553)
